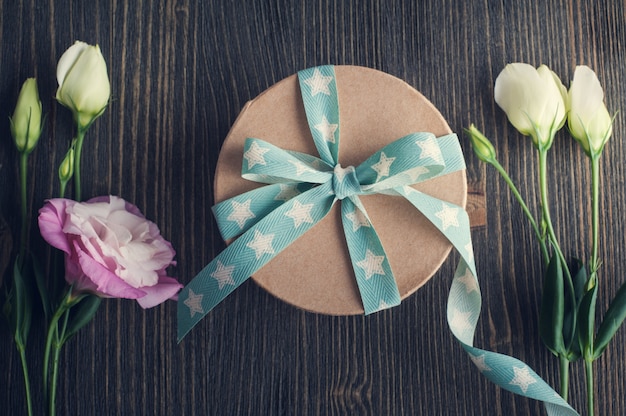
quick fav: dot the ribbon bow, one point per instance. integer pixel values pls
(303, 188)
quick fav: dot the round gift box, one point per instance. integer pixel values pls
(375, 109)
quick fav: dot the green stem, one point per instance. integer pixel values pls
(80, 136)
(29, 402)
(594, 266)
(547, 221)
(58, 344)
(55, 339)
(53, 331)
(529, 215)
(24, 204)
(590, 387)
(62, 190)
(545, 213)
(53, 385)
(595, 218)
(564, 372)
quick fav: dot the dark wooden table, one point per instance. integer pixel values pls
(180, 73)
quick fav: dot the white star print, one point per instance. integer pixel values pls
(194, 303)
(300, 167)
(470, 251)
(460, 320)
(448, 216)
(383, 165)
(522, 378)
(318, 164)
(415, 173)
(241, 212)
(223, 275)
(429, 149)
(286, 192)
(254, 155)
(327, 129)
(469, 281)
(479, 361)
(300, 213)
(358, 219)
(409, 190)
(372, 264)
(261, 244)
(382, 306)
(318, 83)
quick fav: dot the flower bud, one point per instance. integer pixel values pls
(83, 82)
(481, 145)
(589, 121)
(534, 100)
(26, 123)
(66, 168)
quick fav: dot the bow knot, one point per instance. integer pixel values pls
(345, 182)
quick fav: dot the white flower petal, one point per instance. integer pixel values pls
(589, 120)
(533, 100)
(68, 58)
(511, 93)
(586, 94)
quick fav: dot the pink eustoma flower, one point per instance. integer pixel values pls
(111, 249)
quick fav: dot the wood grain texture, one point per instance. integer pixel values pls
(180, 72)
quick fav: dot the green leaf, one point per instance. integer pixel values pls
(551, 312)
(580, 280)
(41, 287)
(6, 246)
(611, 322)
(22, 306)
(586, 320)
(570, 320)
(8, 309)
(81, 314)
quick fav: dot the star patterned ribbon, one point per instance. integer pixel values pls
(301, 189)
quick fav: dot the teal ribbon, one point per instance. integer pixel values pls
(301, 189)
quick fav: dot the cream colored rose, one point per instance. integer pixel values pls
(589, 121)
(84, 84)
(534, 100)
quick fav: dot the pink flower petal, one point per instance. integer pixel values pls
(109, 245)
(112, 199)
(106, 282)
(51, 221)
(167, 288)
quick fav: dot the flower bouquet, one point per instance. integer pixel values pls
(538, 105)
(106, 247)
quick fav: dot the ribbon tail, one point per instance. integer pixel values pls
(452, 153)
(464, 305)
(372, 270)
(250, 252)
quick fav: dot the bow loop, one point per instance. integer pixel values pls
(266, 163)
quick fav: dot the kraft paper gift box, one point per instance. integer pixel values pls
(315, 272)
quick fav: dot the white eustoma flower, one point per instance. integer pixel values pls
(534, 100)
(84, 84)
(589, 121)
